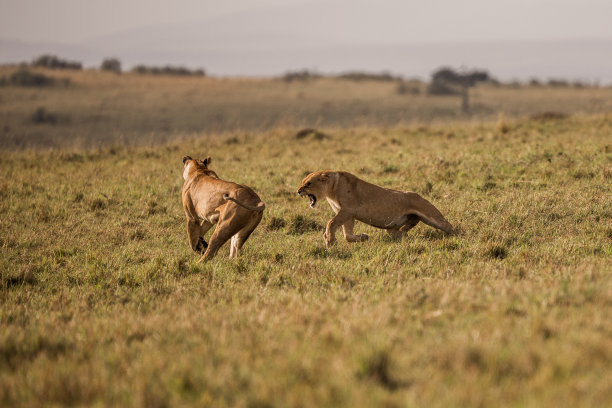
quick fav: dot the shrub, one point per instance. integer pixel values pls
(111, 65)
(168, 70)
(53, 62)
(408, 88)
(442, 88)
(535, 82)
(303, 75)
(24, 77)
(368, 76)
(549, 115)
(558, 83)
(42, 116)
(316, 134)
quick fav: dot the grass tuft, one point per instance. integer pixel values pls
(299, 224)
(276, 223)
(496, 252)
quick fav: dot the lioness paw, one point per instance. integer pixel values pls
(329, 240)
(364, 237)
(202, 245)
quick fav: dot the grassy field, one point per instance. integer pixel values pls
(102, 302)
(101, 109)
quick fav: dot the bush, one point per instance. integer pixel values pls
(111, 65)
(303, 75)
(53, 62)
(41, 116)
(558, 83)
(408, 88)
(446, 81)
(549, 115)
(168, 70)
(23, 77)
(366, 76)
(442, 88)
(535, 82)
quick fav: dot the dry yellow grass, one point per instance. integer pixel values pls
(102, 303)
(102, 109)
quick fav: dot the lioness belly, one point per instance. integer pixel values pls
(389, 222)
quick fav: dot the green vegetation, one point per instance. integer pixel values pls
(26, 78)
(167, 70)
(54, 62)
(102, 303)
(111, 65)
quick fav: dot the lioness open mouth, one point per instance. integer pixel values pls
(313, 200)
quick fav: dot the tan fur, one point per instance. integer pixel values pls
(208, 200)
(354, 199)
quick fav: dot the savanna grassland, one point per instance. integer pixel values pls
(98, 109)
(102, 301)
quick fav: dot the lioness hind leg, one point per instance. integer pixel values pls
(347, 229)
(240, 238)
(396, 233)
(412, 220)
(224, 231)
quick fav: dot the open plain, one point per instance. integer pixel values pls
(102, 302)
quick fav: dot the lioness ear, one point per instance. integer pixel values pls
(207, 161)
(186, 158)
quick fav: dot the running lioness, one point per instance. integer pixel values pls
(354, 199)
(208, 200)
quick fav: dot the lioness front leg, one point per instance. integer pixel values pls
(332, 226)
(347, 229)
(196, 233)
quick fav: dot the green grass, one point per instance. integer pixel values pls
(102, 303)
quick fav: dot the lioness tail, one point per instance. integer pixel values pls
(430, 215)
(259, 207)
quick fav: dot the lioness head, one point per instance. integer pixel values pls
(190, 164)
(316, 185)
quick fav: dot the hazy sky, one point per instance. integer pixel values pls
(74, 21)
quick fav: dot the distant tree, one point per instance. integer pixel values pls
(558, 83)
(535, 82)
(111, 64)
(53, 62)
(303, 75)
(369, 76)
(446, 81)
(168, 70)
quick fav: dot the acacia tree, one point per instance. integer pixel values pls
(446, 81)
(111, 64)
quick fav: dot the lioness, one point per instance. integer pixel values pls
(354, 199)
(208, 200)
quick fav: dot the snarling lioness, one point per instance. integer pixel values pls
(354, 199)
(208, 200)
